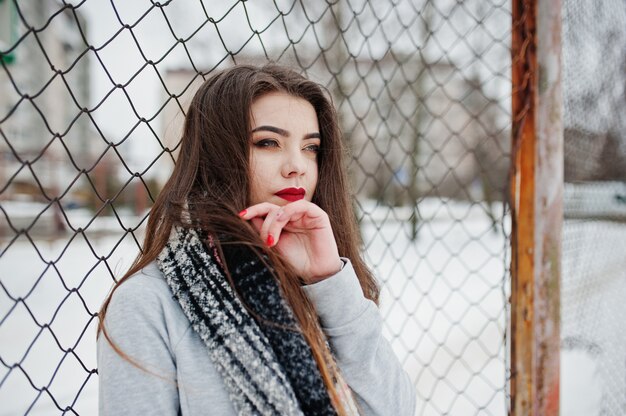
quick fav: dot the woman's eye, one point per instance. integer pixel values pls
(266, 143)
(313, 148)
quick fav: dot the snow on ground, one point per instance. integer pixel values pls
(593, 334)
(443, 298)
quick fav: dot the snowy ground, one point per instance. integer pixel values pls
(443, 300)
(53, 317)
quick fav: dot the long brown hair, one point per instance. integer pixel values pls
(212, 169)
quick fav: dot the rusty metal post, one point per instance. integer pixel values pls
(536, 207)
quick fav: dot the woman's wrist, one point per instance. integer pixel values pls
(325, 275)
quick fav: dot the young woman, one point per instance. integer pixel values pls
(250, 295)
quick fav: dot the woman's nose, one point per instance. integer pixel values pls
(294, 165)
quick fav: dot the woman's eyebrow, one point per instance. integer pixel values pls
(273, 129)
(315, 135)
(284, 132)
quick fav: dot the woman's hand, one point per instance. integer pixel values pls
(301, 232)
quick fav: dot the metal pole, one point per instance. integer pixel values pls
(536, 207)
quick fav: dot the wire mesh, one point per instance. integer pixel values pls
(92, 97)
(594, 267)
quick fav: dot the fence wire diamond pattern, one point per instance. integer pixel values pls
(92, 95)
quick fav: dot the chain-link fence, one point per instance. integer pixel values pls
(594, 232)
(92, 96)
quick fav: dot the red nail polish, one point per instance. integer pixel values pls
(242, 213)
(270, 240)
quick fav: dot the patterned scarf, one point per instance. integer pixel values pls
(267, 365)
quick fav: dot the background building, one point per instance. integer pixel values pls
(44, 87)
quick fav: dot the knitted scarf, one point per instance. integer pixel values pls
(267, 365)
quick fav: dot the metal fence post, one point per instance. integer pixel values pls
(536, 205)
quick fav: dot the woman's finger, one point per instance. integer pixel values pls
(280, 220)
(268, 233)
(262, 216)
(307, 214)
(299, 216)
(258, 210)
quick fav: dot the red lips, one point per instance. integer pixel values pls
(291, 194)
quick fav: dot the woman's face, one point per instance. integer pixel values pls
(284, 143)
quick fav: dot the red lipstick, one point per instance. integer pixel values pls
(291, 194)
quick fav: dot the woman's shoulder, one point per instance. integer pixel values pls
(142, 305)
(145, 295)
(147, 285)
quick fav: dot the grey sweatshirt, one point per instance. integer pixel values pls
(149, 326)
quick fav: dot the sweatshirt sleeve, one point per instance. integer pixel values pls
(135, 323)
(354, 327)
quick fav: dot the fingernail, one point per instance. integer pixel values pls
(242, 213)
(270, 240)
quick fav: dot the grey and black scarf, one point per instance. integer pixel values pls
(267, 366)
